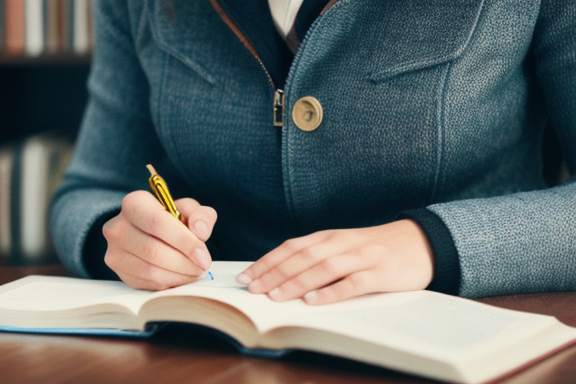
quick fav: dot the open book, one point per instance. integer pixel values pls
(424, 333)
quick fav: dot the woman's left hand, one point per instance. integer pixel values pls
(333, 265)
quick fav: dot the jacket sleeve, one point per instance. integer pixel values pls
(115, 142)
(526, 242)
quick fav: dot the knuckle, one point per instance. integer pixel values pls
(332, 235)
(150, 254)
(357, 283)
(190, 202)
(112, 229)
(331, 267)
(278, 274)
(108, 231)
(310, 253)
(135, 203)
(297, 284)
(129, 202)
(291, 245)
(109, 260)
(211, 213)
(187, 205)
(154, 221)
(306, 253)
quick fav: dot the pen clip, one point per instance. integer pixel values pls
(160, 189)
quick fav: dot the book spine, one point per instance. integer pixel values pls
(14, 16)
(81, 35)
(45, 24)
(34, 198)
(63, 25)
(2, 27)
(31, 169)
(52, 27)
(89, 26)
(34, 27)
(6, 166)
(14, 188)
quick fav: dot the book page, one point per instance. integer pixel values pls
(48, 293)
(51, 293)
(223, 288)
(424, 321)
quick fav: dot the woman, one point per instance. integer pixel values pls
(404, 150)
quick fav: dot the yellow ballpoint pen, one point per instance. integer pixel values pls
(160, 189)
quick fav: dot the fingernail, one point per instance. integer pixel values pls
(243, 279)
(254, 286)
(275, 294)
(311, 297)
(201, 229)
(203, 259)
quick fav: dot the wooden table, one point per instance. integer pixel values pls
(202, 358)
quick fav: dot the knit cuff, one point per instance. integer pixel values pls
(446, 263)
(95, 249)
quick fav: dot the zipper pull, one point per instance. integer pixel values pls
(278, 107)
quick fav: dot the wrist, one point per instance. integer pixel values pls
(422, 250)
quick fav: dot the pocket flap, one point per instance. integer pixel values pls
(181, 36)
(423, 33)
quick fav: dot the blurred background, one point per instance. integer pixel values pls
(45, 53)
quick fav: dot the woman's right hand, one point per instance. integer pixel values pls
(150, 249)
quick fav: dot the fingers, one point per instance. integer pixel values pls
(300, 248)
(352, 285)
(143, 261)
(133, 241)
(305, 267)
(139, 274)
(200, 218)
(149, 249)
(145, 213)
(329, 271)
(331, 266)
(301, 265)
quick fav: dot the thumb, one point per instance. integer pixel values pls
(199, 218)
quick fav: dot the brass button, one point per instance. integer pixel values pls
(307, 113)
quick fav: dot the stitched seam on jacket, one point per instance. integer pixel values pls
(441, 139)
(167, 49)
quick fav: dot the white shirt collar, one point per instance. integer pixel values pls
(284, 13)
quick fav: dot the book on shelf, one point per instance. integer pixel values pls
(31, 169)
(33, 27)
(2, 26)
(82, 27)
(43, 27)
(421, 332)
(14, 26)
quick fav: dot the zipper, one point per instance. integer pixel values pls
(278, 105)
(279, 97)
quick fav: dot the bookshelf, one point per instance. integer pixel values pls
(45, 51)
(37, 97)
(42, 90)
